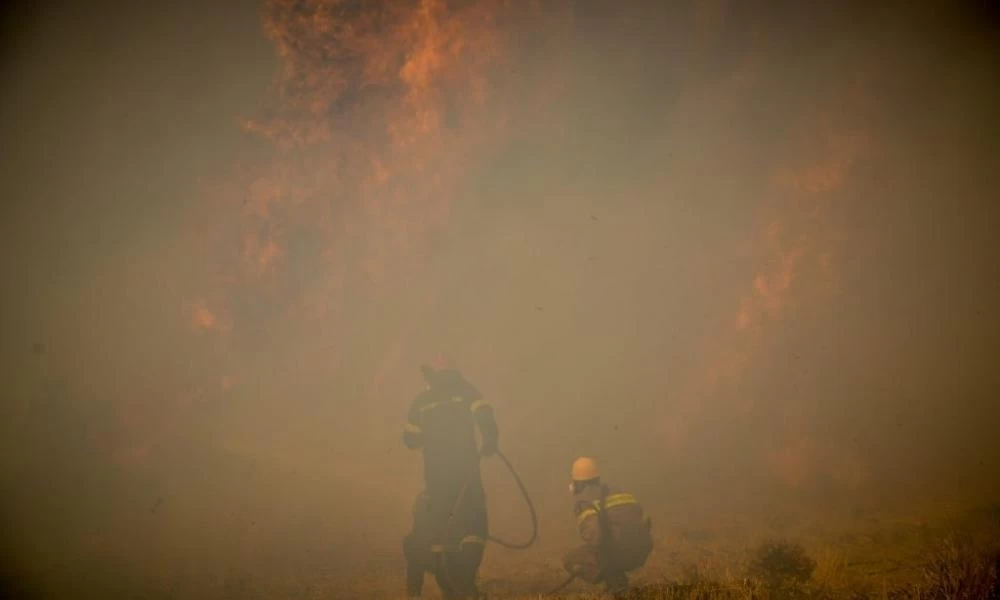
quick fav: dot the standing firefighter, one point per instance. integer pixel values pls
(417, 552)
(442, 421)
(615, 529)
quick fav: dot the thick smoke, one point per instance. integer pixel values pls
(743, 256)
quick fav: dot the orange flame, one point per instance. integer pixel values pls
(204, 319)
(796, 245)
(376, 115)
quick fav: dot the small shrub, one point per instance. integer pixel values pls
(781, 567)
(959, 569)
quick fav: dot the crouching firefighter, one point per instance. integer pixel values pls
(442, 422)
(616, 531)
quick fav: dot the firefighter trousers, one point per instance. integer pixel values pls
(459, 530)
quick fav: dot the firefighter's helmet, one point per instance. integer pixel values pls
(585, 469)
(440, 362)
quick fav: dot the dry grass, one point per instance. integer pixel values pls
(920, 559)
(963, 568)
(956, 560)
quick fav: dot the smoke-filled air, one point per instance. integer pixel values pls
(272, 269)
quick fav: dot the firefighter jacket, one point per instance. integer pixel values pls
(615, 524)
(442, 421)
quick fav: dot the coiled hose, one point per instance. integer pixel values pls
(534, 522)
(531, 509)
(534, 525)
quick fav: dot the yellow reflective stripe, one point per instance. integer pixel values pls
(411, 428)
(478, 404)
(473, 539)
(433, 405)
(437, 548)
(618, 500)
(610, 502)
(428, 407)
(584, 514)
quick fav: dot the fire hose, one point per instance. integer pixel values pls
(531, 509)
(534, 521)
(534, 525)
(527, 500)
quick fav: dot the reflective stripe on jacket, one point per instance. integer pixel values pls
(628, 523)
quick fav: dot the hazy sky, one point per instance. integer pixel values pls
(719, 248)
